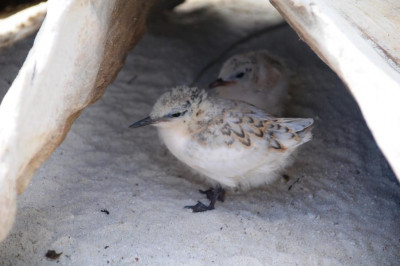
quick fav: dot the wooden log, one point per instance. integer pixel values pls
(22, 24)
(78, 51)
(360, 41)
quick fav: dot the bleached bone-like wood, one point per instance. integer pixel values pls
(21, 24)
(78, 51)
(360, 41)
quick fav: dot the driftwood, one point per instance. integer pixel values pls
(21, 24)
(78, 51)
(360, 41)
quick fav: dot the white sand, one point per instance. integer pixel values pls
(344, 209)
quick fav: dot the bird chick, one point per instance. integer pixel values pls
(232, 143)
(255, 77)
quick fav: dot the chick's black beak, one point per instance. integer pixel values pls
(144, 122)
(219, 83)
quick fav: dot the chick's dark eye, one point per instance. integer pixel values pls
(240, 75)
(176, 115)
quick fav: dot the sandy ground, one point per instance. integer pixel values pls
(341, 205)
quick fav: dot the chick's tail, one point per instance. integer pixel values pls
(284, 133)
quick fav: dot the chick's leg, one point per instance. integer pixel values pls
(213, 194)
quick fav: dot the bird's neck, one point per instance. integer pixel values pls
(202, 116)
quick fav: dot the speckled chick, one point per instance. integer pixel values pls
(258, 78)
(232, 143)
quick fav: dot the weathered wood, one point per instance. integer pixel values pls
(78, 51)
(360, 41)
(22, 24)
